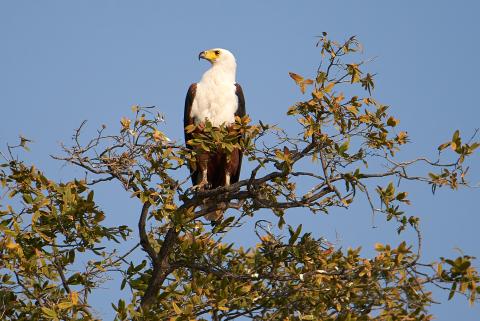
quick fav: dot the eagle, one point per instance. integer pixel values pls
(218, 98)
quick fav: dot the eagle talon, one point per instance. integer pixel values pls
(201, 187)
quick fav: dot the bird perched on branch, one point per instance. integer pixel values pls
(216, 98)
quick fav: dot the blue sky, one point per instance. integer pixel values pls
(65, 61)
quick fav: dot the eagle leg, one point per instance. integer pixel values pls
(203, 168)
(217, 215)
(227, 179)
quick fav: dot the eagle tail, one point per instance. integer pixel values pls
(215, 216)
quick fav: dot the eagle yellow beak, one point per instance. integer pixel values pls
(207, 55)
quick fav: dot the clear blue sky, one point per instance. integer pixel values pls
(65, 61)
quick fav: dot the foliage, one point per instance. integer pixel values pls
(190, 272)
(41, 239)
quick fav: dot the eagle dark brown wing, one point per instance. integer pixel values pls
(240, 113)
(188, 120)
(241, 101)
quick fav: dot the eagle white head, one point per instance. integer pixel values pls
(223, 63)
(218, 56)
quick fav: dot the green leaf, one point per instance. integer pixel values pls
(390, 189)
(90, 197)
(443, 146)
(452, 290)
(49, 313)
(344, 147)
(474, 146)
(456, 135)
(64, 305)
(294, 234)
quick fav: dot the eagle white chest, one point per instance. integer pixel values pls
(215, 98)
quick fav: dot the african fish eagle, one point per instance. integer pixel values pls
(216, 98)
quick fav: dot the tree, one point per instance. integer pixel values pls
(189, 272)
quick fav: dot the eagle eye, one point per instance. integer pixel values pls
(217, 52)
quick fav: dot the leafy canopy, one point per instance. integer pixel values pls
(48, 229)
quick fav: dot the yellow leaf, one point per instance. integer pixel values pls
(339, 98)
(190, 128)
(298, 79)
(392, 122)
(329, 87)
(302, 87)
(443, 146)
(364, 119)
(125, 122)
(64, 305)
(12, 245)
(157, 135)
(176, 308)
(352, 109)
(317, 94)
(402, 138)
(49, 313)
(135, 108)
(74, 297)
(101, 268)
(246, 288)
(170, 206)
